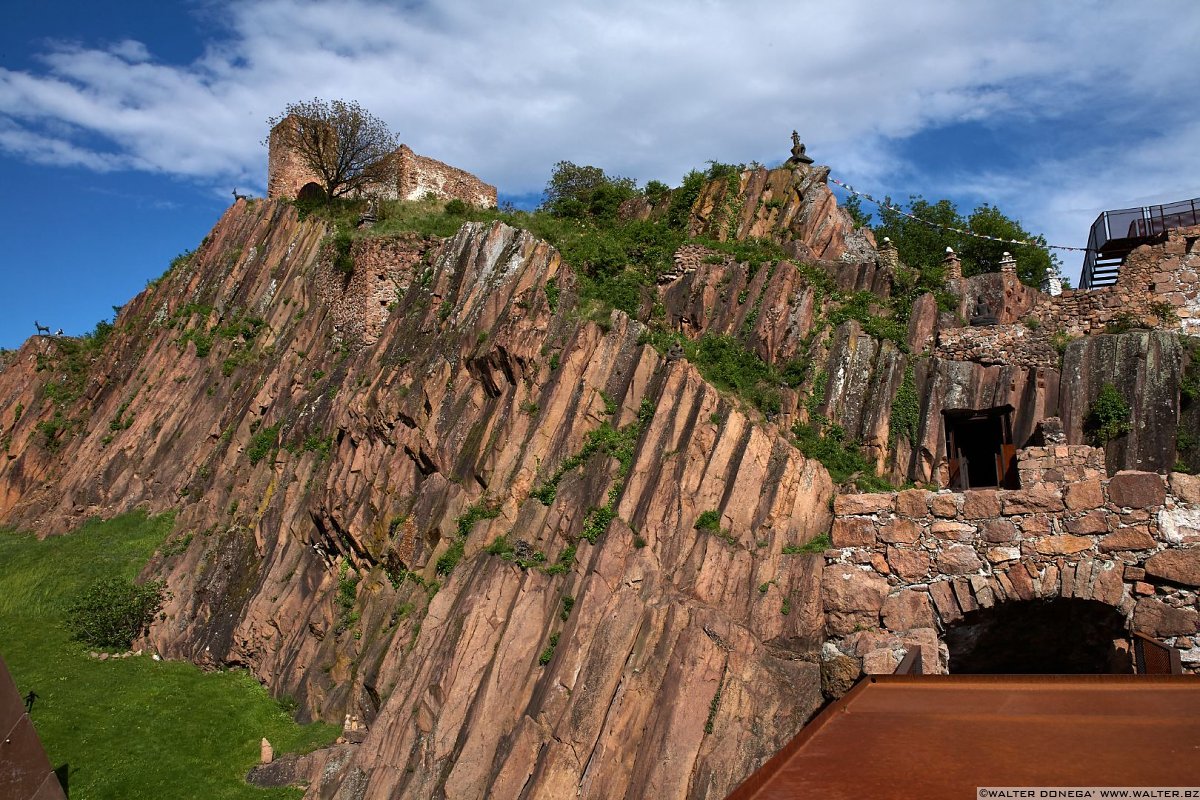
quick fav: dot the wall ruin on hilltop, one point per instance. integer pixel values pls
(413, 176)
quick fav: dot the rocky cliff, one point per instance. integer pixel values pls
(535, 551)
(339, 500)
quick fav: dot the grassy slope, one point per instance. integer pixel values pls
(132, 727)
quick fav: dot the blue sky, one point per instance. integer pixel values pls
(125, 127)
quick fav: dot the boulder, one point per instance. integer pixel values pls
(907, 609)
(959, 559)
(1177, 566)
(852, 597)
(911, 565)
(1155, 618)
(847, 504)
(1131, 489)
(853, 532)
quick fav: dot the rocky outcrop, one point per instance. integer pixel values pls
(536, 555)
(788, 205)
(472, 522)
(1146, 368)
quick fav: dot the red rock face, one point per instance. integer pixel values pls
(428, 495)
(325, 465)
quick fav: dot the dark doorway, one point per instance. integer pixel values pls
(980, 449)
(1039, 637)
(311, 193)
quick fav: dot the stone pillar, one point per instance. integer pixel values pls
(1008, 264)
(889, 256)
(266, 753)
(1052, 286)
(953, 265)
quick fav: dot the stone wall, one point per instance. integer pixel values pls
(418, 176)
(1153, 274)
(415, 176)
(1158, 287)
(384, 268)
(1013, 345)
(1045, 467)
(904, 566)
(287, 173)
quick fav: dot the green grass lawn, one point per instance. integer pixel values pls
(133, 727)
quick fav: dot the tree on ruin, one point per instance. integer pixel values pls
(343, 144)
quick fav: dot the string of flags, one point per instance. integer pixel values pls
(898, 210)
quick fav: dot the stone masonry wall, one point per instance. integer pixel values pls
(1155, 277)
(904, 566)
(384, 267)
(286, 171)
(415, 176)
(418, 176)
(1012, 345)
(1164, 272)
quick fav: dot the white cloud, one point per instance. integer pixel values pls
(647, 90)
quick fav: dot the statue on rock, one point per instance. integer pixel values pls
(798, 155)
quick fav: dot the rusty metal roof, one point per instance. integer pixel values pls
(942, 736)
(25, 772)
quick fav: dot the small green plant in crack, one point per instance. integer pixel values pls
(713, 706)
(1108, 416)
(818, 545)
(448, 560)
(548, 653)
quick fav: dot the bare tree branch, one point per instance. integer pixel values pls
(344, 144)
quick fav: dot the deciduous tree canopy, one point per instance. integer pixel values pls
(579, 191)
(343, 143)
(923, 246)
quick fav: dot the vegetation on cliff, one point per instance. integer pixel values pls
(618, 262)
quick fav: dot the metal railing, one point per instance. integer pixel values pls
(1115, 233)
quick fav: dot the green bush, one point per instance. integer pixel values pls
(1122, 322)
(114, 611)
(709, 521)
(343, 262)
(1107, 417)
(548, 654)
(262, 444)
(818, 545)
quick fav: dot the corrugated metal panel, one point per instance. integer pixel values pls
(25, 772)
(942, 736)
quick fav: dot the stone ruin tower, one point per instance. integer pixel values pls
(414, 176)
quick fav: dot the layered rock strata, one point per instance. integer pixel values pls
(471, 522)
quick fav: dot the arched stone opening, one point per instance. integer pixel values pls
(311, 192)
(1040, 636)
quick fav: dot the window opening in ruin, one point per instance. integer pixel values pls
(310, 192)
(1040, 637)
(979, 448)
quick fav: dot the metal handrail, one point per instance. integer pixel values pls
(1132, 226)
